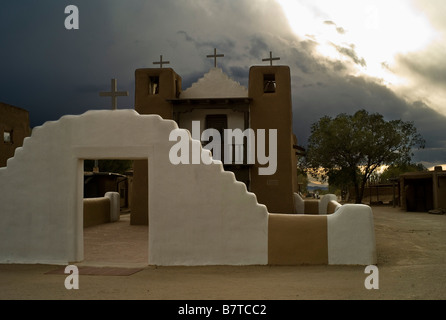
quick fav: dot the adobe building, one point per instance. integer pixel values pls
(423, 191)
(199, 214)
(220, 103)
(14, 128)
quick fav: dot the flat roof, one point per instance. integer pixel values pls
(210, 100)
(422, 174)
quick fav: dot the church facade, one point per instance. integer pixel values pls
(217, 102)
(14, 128)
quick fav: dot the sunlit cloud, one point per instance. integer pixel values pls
(378, 30)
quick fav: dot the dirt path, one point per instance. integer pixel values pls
(411, 260)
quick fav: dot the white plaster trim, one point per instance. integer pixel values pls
(215, 84)
(323, 202)
(115, 205)
(351, 236)
(299, 204)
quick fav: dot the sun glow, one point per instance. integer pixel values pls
(368, 33)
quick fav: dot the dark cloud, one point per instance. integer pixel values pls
(339, 30)
(51, 71)
(186, 36)
(351, 53)
(189, 78)
(425, 65)
(224, 43)
(349, 94)
(257, 46)
(90, 88)
(240, 73)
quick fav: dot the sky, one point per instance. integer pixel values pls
(345, 55)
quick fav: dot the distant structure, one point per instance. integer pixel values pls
(220, 103)
(14, 128)
(423, 191)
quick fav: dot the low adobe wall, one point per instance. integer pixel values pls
(320, 206)
(294, 240)
(333, 206)
(96, 211)
(346, 237)
(101, 210)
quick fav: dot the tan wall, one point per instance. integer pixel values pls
(311, 206)
(16, 120)
(140, 193)
(374, 194)
(332, 206)
(145, 103)
(273, 111)
(130, 190)
(441, 198)
(170, 84)
(96, 211)
(297, 239)
(418, 192)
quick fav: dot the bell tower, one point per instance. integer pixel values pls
(154, 87)
(271, 108)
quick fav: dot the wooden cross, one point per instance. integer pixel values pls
(161, 62)
(270, 59)
(114, 94)
(215, 56)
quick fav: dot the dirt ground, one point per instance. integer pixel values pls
(411, 262)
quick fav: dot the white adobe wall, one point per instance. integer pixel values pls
(351, 236)
(323, 202)
(199, 214)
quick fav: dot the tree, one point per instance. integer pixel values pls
(339, 179)
(349, 148)
(302, 179)
(395, 170)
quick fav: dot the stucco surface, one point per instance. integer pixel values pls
(351, 235)
(199, 214)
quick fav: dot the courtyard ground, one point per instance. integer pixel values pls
(411, 251)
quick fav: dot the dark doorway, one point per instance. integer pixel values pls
(419, 195)
(218, 122)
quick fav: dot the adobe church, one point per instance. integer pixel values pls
(199, 214)
(220, 103)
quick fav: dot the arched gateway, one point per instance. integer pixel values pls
(199, 214)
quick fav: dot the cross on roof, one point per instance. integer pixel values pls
(114, 94)
(215, 56)
(270, 59)
(161, 62)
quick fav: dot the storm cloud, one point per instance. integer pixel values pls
(51, 71)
